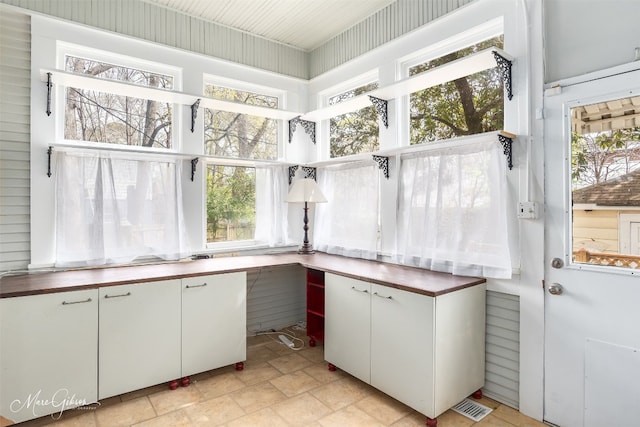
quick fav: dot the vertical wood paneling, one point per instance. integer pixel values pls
(502, 346)
(147, 21)
(15, 71)
(276, 298)
(391, 22)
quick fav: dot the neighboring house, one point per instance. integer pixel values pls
(606, 216)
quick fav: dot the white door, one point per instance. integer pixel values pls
(592, 333)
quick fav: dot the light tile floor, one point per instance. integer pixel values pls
(278, 387)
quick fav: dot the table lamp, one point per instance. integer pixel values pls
(306, 191)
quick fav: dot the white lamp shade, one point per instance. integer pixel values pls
(305, 190)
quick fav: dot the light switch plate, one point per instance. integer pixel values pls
(527, 210)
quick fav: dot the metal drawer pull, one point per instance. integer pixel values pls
(76, 302)
(356, 289)
(118, 296)
(381, 296)
(196, 286)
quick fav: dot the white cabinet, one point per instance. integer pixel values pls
(427, 352)
(347, 325)
(402, 349)
(214, 321)
(139, 332)
(48, 353)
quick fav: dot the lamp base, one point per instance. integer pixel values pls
(306, 249)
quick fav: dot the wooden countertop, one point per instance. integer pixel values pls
(407, 278)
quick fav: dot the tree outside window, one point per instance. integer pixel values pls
(231, 200)
(231, 189)
(355, 132)
(105, 117)
(466, 106)
(240, 135)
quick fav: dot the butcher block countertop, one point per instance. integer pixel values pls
(411, 279)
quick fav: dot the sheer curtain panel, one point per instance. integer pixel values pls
(111, 209)
(452, 213)
(272, 186)
(348, 223)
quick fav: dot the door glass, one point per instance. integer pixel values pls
(605, 178)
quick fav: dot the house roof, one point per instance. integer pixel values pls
(621, 191)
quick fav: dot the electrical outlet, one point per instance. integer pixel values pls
(527, 210)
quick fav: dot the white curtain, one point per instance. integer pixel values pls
(348, 223)
(272, 186)
(111, 209)
(452, 213)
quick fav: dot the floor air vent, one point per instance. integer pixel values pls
(472, 410)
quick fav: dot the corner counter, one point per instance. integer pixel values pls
(401, 277)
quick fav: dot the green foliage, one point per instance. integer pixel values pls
(465, 106)
(230, 201)
(597, 157)
(355, 132)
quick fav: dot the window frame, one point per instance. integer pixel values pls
(65, 49)
(210, 79)
(324, 137)
(470, 37)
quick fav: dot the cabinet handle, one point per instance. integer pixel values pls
(76, 302)
(118, 296)
(196, 286)
(382, 296)
(358, 290)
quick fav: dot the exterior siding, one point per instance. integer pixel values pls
(276, 298)
(15, 137)
(502, 347)
(596, 231)
(391, 22)
(146, 21)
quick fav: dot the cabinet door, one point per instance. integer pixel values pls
(459, 345)
(402, 353)
(347, 325)
(48, 353)
(214, 319)
(139, 336)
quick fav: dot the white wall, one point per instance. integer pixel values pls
(582, 36)
(46, 34)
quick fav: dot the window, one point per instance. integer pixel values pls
(605, 175)
(231, 203)
(116, 119)
(355, 132)
(465, 106)
(240, 135)
(231, 189)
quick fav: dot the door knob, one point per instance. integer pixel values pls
(555, 289)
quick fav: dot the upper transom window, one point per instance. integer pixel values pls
(109, 118)
(466, 106)
(239, 135)
(355, 132)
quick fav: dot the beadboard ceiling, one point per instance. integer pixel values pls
(304, 24)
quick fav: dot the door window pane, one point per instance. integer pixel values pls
(605, 172)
